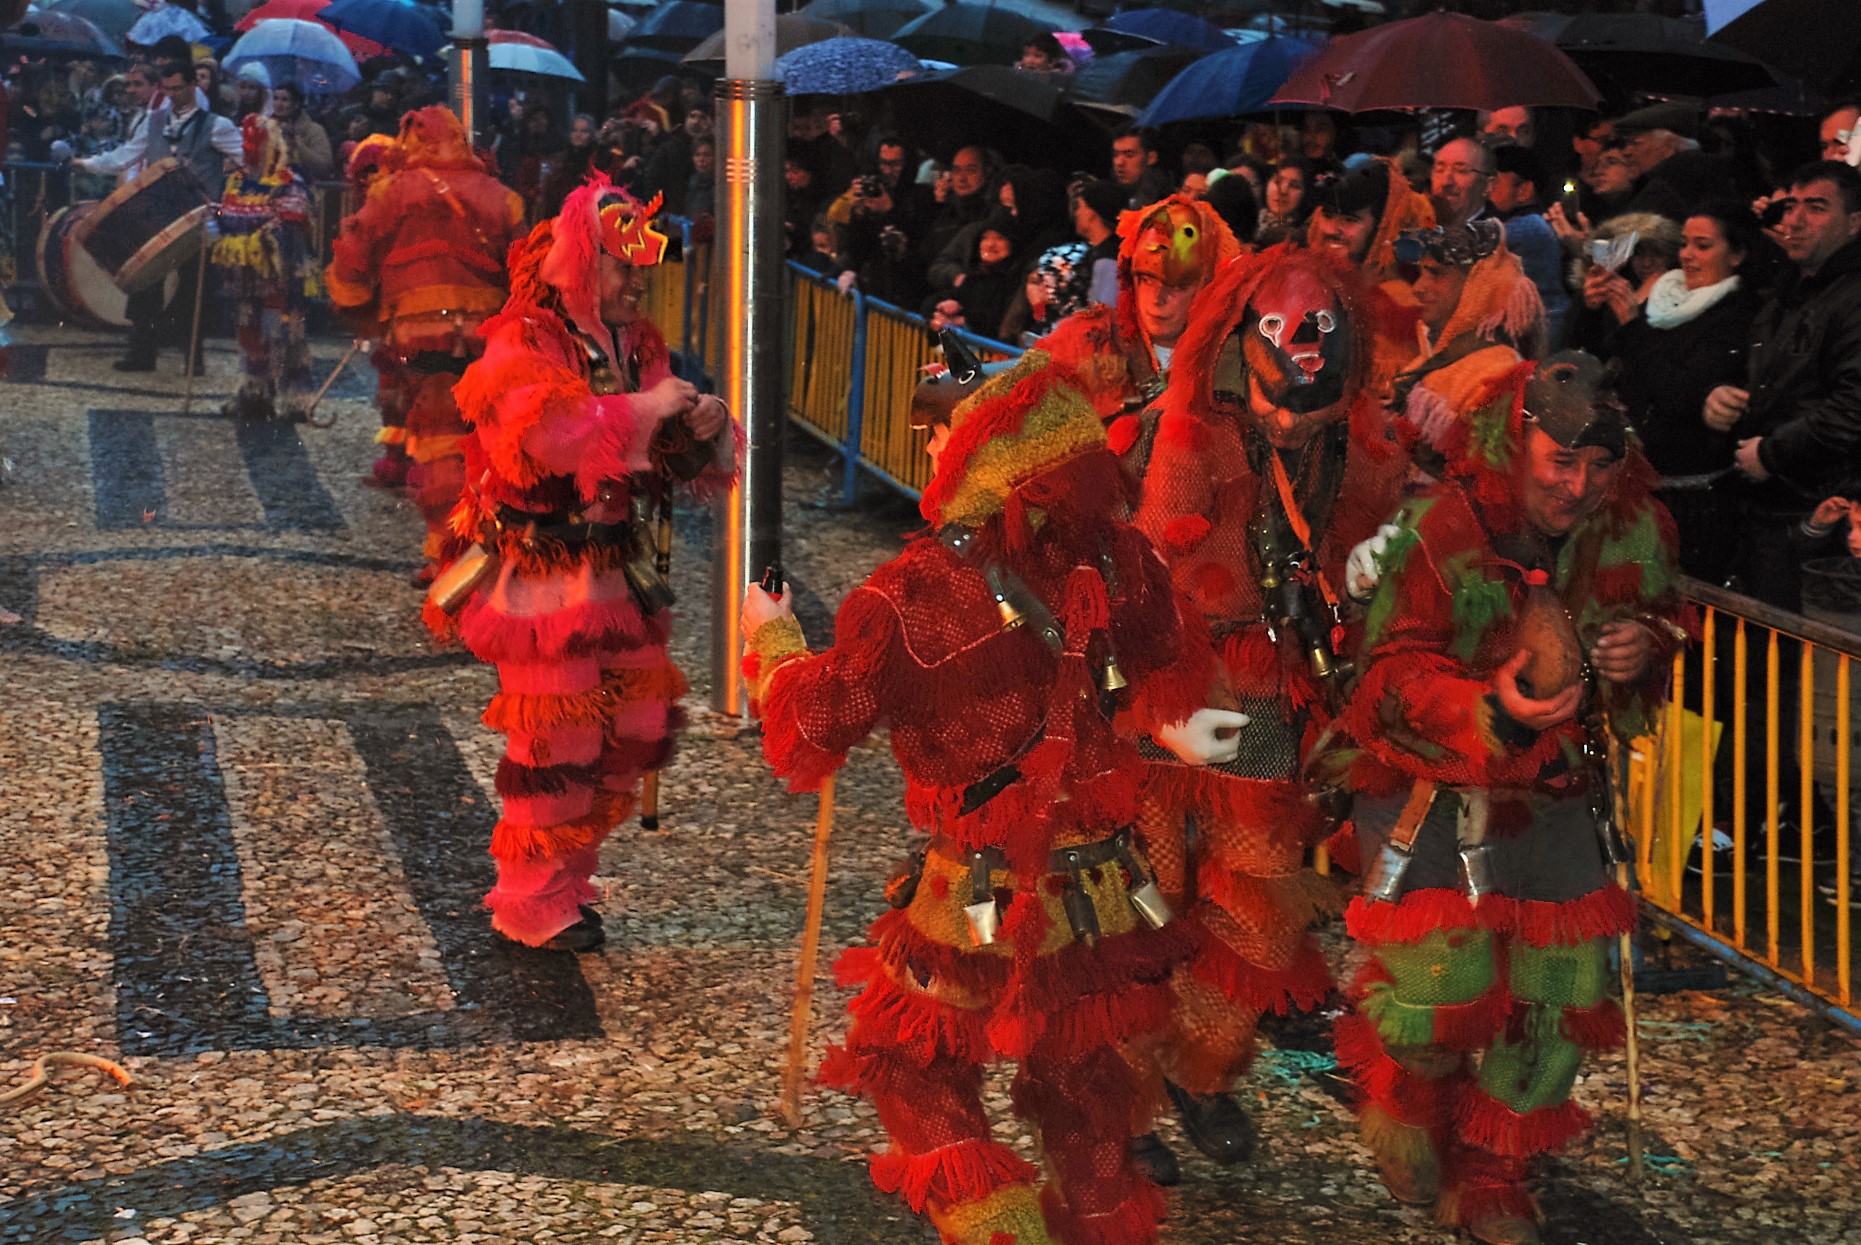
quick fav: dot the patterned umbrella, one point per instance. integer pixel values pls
(113, 17)
(520, 53)
(59, 34)
(311, 11)
(969, 34)
(875, 19)
(845, 66)
(164, 20)
(404, 27)
(307, 53)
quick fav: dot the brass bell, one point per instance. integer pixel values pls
(1112, 679)
(1011, 617)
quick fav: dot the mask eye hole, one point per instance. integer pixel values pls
(1326, 321)
(1271, 326)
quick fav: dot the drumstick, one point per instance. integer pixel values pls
(193, 339)
(801, 1012)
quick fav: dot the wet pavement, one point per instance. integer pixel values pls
(246, 804)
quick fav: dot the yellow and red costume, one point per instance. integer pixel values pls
(421, 265)
(1018, 936)
(1256, 538)
(566, 468)
(264, 238)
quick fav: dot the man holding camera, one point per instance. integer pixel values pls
(885, 213)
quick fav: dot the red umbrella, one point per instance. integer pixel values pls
(1442, 60)
(306, 11)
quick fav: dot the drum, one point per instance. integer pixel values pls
(148, 227)
(77, 286)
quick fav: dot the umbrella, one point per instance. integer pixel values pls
(113, 17)
(1023, 116)
(791, 31)
(1441, 60)
(394, 24)
(845, 66)
(680, 25)
(1818, 41)
(59, 34)
(1170, 26)
(1227, 84)
(521, 53)
(969, 34)
(636, 69)
(1662, 55)
(164, 20)
(307, 53)
(875, 19)
(619, 25)
(312, 11)
(1128, 81)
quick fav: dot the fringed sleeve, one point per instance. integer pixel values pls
(354, 271)
(1160, 640)
(815, 708)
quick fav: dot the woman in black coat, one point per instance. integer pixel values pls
(1687, 338)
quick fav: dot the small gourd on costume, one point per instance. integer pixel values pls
(1544, 631)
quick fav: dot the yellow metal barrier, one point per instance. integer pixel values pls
(821, 324)
(898, 346)
(1804, 888)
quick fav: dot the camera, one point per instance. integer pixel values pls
(1774, 211)
(868, 187)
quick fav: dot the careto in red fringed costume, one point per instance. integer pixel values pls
(565, 463)
(986, 648)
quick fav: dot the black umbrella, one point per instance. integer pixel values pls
(679, 26)
(874, 19)
(1646, 52)
(969, 34)
(1020, 115)
(1126, 82)
(1818, 41)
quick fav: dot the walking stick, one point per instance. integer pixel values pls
(803, 1012)
(193, 336)
(1625, 952)
(662, 562)
(310, 411)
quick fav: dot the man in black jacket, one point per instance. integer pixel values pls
(1800, 420)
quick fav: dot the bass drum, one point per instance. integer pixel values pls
(77, 284)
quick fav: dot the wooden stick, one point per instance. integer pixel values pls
(310, 412)
(802, 1014)
(193, 337)
(649, 801)
(1625, 952)
(662, 562)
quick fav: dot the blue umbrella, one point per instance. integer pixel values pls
(680, 25)
(306, 53)
(1227, 84)
(1170, 26)
(397, 24)
(876, 19)
(845, 66)
(158, 23)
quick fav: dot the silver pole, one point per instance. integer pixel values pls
(747, 292)
(468, 67)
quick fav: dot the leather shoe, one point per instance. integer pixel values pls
(589, 914)
(582, 937)
(1156, 1161)
(1500, 1228)
(1216, 1123)
(133, 363)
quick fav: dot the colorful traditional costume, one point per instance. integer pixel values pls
(1380, 188)
(567, 468)
(986, 648)
(421, 266)
(264, 234)
(1272, 461)
(375, 157)
(1488, 934)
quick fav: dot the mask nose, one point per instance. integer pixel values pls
(1312, 328)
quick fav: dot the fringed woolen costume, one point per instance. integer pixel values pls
(566, 461)
(264, 235)
(1488, 934)
(988, 648)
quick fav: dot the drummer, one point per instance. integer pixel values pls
(173, 123)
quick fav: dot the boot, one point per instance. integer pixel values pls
(1009, 1216)
(1156, 1160)
(582, 937)
(1503, 1228)
(1216, 1124)
(1406, 1161)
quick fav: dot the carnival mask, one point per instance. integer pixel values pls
(255, 137)
(627, 232)
(1296, 341)
(1173, 247)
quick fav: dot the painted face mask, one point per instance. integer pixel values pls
(1296, 341)
(627, 232)
(1174, 246)
(253, 134)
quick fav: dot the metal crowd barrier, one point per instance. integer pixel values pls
(1762, 717)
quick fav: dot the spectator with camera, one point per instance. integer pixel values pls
(885, 214)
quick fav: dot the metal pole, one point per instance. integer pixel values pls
(467, 74)
(748, 275)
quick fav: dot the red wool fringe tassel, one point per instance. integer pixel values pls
(887, 1016)
(1420, 913)
(1604, 913)
(1381, 1080)
(964, 1171)
(1132, 1222)
(1601, 1027)
(1301, 986)
(1482, 1120)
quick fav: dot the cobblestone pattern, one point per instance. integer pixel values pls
(246, 805)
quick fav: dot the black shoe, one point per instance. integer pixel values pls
(1215, 1123)
(134, 363)
(1156, 1160)
(589, 914)
(582, 937)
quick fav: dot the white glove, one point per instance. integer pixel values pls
(1199, 740)
(61, 150)
(1360, 571)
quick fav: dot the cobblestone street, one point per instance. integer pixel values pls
(247, 805)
